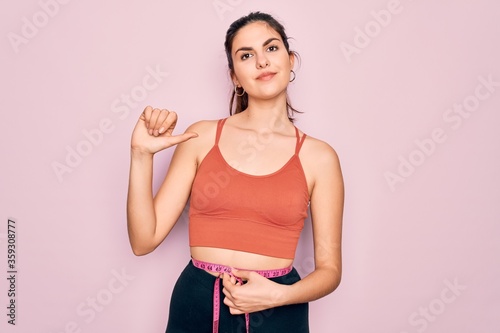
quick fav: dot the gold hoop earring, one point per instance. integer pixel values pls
(293, 75)
(236, 91)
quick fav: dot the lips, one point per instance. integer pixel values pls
(266, 76)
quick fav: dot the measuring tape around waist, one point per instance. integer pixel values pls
(268, 273)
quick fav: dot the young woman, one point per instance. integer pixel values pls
(251, 179)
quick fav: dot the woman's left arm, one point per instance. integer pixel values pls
(327, 202)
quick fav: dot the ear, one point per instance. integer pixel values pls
(235, 79)
(292, 59)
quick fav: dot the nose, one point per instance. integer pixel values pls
(262, 61)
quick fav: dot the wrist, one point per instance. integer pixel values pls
(137, 153)
(282, 295)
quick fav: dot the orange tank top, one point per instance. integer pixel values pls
(260, 214)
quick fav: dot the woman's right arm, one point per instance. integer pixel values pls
(149, 220)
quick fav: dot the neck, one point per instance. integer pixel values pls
(270, 113)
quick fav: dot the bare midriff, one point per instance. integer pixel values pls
(238, 259)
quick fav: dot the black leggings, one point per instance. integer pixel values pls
(191, 308)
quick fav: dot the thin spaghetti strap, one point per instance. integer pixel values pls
(300, 140)
(220, 124)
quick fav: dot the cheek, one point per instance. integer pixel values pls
(279, 60)
(285, 61)
(243, 71)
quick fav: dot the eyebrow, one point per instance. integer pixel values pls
(246, 48)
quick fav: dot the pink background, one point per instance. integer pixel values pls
(421, 243)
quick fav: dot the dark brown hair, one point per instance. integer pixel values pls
(237, 103)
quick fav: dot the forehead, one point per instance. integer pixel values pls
(254, 33)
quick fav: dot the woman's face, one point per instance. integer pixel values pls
(261, 62)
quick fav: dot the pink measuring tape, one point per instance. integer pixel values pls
(271, 273)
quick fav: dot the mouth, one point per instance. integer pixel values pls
(266, 76)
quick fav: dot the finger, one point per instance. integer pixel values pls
(176, 139)
(153, 120)
(244, 275)
(229, 303)
(163, 115)
(147, 115)
(235, 311)
(226, 283)
(232, 308)
(169, 123)
(227, 293)
(168, 120)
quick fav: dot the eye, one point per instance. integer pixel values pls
(245, 56)
(272, 48)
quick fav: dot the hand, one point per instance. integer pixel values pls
(257, 294)
(153, 131)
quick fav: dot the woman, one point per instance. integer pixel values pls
(250, 179)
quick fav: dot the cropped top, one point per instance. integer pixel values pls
(262, 214)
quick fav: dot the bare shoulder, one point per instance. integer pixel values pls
(203, 127)
(320, 162)
(319, 152)
(199, 146)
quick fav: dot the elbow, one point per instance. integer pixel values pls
(337, 277)
(140, 251)
(334, 281)
(141, 245)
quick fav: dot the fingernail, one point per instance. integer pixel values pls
(150, 132)
(162, 129)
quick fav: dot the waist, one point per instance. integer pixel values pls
(238, 259)
(219, 269)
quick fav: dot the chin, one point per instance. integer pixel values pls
(269, 93)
